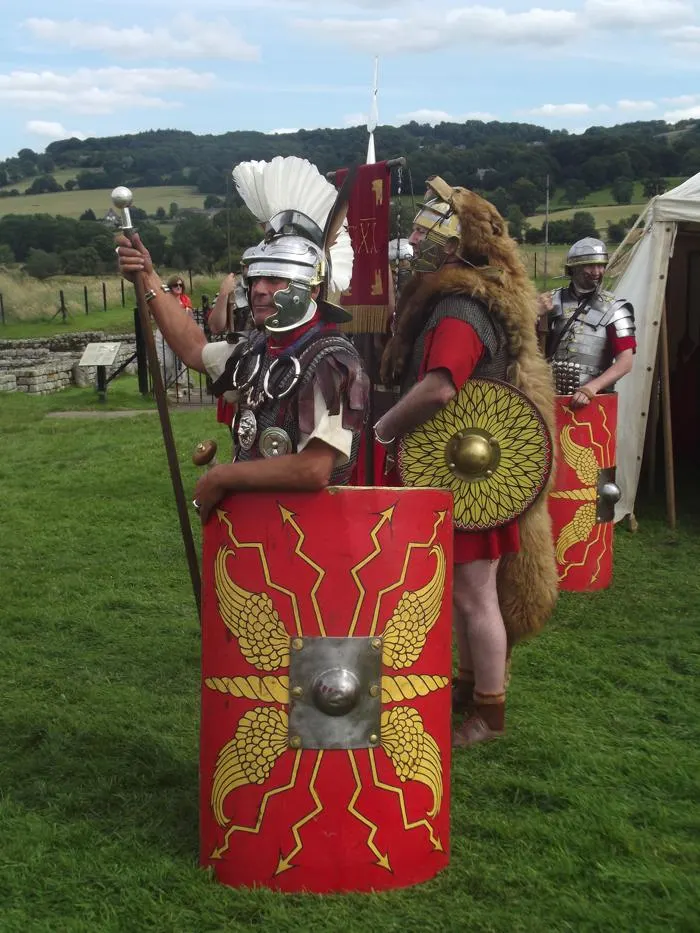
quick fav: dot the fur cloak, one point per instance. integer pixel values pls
(527, 581)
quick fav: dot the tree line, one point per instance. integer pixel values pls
(492, 157)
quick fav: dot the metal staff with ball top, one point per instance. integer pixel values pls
(122, 199)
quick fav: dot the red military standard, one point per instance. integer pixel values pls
(582, 502)
(326, 663)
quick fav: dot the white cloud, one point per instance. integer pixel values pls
(52, 130)
(184, 39)
(635, 105)
(535, 26)
(433, 117)
(686, 37)
(424, 32)
(685, 100)
(686, 113)
(99, 90)
(566, 110)
(631, 14)
(281, 132)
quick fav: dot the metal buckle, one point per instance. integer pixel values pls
(296, 365)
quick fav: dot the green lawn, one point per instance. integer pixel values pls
(73, 203)
(584, 819)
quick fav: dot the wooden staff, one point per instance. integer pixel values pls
(122, 199)
(666, 419)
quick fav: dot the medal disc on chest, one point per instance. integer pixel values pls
(274, 442)
(247, 429)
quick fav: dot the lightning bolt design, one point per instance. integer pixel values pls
(382, 860)
(439, 519)
(257, 546)
(434, 838)
(288, 518)
(218, 852)
(285, 862)
(384, 517)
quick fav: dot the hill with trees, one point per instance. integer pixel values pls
(510, 163)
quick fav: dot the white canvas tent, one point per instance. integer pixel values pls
(669, 240)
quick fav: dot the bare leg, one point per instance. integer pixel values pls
(481, 634)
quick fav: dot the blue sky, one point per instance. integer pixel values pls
(98, 69)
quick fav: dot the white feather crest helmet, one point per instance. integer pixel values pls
(291, 183)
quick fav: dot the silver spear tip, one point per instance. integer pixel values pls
(122, 197)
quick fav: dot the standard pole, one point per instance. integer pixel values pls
(85, 299)
(546, 233)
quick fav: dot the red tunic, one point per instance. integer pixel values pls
(454, 345)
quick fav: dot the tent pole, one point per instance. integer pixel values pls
(666, 416)
(653, 428)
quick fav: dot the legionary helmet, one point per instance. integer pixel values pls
(293, 201)
(586, 252)
(456, 213)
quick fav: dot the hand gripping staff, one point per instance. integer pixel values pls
(122, 199)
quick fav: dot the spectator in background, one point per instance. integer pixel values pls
(172, 368)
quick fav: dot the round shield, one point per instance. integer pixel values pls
(490, 447)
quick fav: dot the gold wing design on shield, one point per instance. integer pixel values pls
(414, 752)
(260, 739)
(416, 613)
(252, 619)
(577, 530)
(581, 459)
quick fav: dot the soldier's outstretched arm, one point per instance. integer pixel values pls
(180, 331)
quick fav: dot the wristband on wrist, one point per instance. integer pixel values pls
(380, 440)
(149, 295)
(589, 393)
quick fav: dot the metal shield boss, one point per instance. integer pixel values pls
(582, 502)
(489, 446)
(326, 671)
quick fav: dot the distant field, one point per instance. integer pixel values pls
(73, 203)
(62, 175)
(601, 214)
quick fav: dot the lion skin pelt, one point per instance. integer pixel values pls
(527, 581)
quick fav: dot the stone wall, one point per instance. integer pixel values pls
(41, 366)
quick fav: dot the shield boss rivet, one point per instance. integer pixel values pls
(336, 691)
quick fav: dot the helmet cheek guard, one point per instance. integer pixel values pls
(297, 260)
(439, 222)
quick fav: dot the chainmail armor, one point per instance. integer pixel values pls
(493, 364)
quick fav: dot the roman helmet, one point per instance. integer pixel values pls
(586, 252)
(456, 213)
(306, 239)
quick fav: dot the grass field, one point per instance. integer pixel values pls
(73, 203)
(602, 215)
(31, 306)
(584, 819)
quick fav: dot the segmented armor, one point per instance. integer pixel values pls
(583, 351)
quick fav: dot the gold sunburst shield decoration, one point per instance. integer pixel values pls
(490, 447)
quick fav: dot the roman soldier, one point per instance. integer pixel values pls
(298, 384)
(468, 319)
(590, 337)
